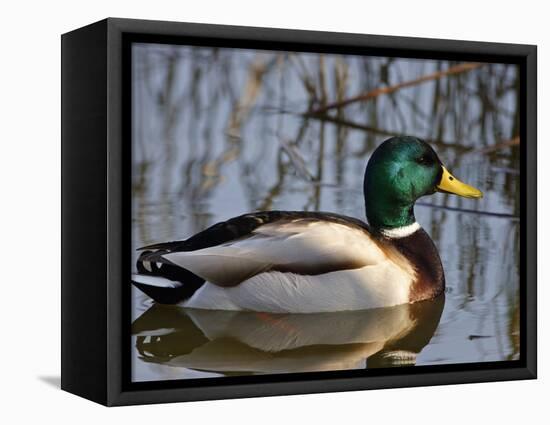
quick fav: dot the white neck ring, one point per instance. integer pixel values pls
(401, 232)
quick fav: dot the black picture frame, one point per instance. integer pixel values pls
(96, 210)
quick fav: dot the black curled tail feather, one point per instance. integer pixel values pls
(166, 294)
(182, 286)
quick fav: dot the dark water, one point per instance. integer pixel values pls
(221, 132)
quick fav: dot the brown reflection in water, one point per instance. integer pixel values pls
(250, 342)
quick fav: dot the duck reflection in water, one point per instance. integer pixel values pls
(230, 342)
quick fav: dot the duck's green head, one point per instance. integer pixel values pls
(401, 170)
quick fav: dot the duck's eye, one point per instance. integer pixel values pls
(425, 160)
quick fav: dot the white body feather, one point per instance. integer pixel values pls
(374, 286)
(240, 274)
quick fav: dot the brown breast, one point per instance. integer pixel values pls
(422, 253)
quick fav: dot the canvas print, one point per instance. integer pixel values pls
(311, 212)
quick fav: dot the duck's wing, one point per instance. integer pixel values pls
(232, 229)
(303, 243)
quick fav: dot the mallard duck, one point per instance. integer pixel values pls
(309, 262)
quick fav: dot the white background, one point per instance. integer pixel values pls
(30, 209)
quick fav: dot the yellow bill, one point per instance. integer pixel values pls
(450, 184)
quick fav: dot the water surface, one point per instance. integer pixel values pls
(221, 132)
